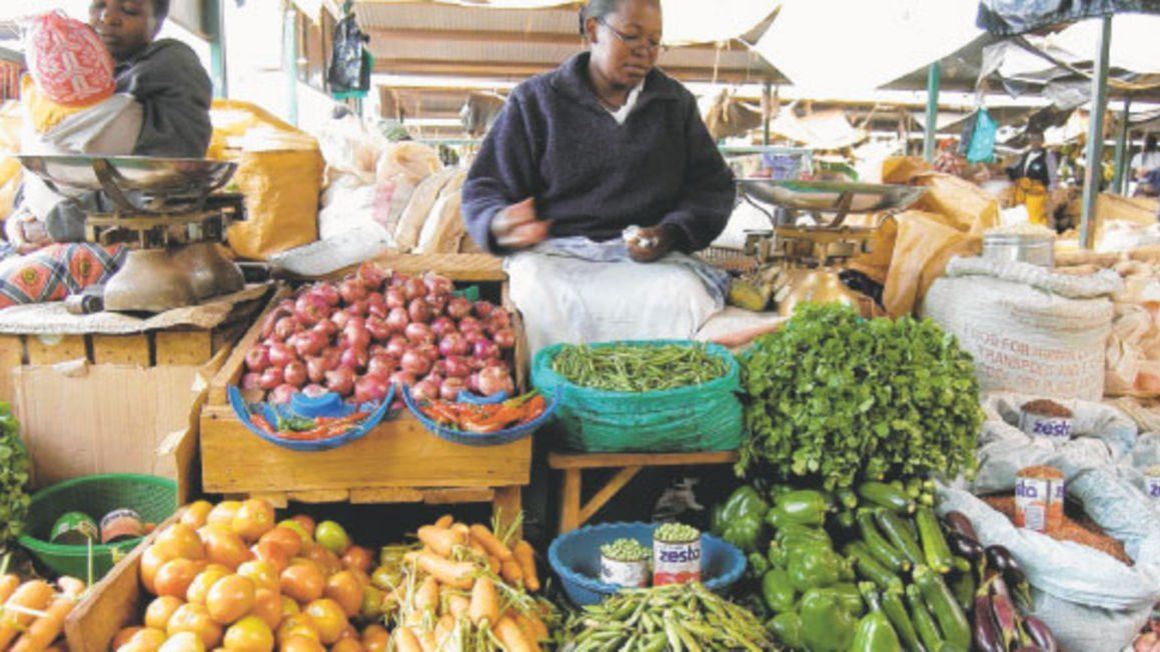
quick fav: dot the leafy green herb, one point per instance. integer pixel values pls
(14, 471)
(838, 399)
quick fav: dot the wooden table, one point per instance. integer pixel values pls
(573, 514)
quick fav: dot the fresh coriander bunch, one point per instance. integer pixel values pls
(14, 470)
(840, 399)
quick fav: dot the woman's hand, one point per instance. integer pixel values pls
(516, 227)
(659, 238)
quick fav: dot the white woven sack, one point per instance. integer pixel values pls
(1091, 601)
(1028, 329)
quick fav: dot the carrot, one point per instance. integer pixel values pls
(406, 641)
(484, 602)
(511, 637)
(33, 595)
(427, 640)
(462, 529)
(70, 586)
(539, 629)
(527, 561)
(458, 574)
(442, 541)
(8, 586)
(511, 573)
(457, 606)
(427, 597)
(493, 564)
(444, 521)
(443, 628)
(44, 630)
(525, 626)
(490, 543)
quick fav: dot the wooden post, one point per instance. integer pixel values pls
(933, 81)
(1120, 181)
(1095, 144)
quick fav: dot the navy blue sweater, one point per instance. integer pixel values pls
(593, 177)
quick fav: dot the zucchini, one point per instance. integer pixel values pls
(924, 624)
(878, 545)
(951, 619)
(896, 612)
(934, 544)
(884, 495)
(868, 567)
(897, 531)
(847, 497)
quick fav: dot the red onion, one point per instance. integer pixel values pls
(272, 319)
(443, 325)
(326, 327)
(286, 327)
(371, 276)
(485, 349)
(281, 354)
(493, 380)
(415, 363)
(351, 291)
(397, 319)
(283, 393)
(402, 378)
(382, 365)
(425, 390)
(340, 380)
(331, 356)
(434, 377)
(484, 308)
(498, 319)
(473, 336)
(395, 298)
(328, 292)
(450, 388)
(470, 324)
(429, 351)
(505, 338)
(438, 303)
(454, 344)
(340, 319)
(376, 305)
(439, 368)
(397, 345)
(458, 308)
(316, 369)
(419, 311)
(258, 358)
(457, 366)
(311, 308)
(496, 362)
(378, 328)
(314, 390)
(473, 383)
(355, 358)
(439, 285)
(355, 337)
(295, 374)
(418, 333)
(252, 380)
(414, 288)
(310, 343)
(358, 308)
(270, 378)
(370, 389)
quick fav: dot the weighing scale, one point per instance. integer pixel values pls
(163, 207)
(808, 240)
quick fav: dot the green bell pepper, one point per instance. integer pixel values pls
(848, 596)
(739, 520)
(758, 565)
(826, 625)
(787, 628)
(804, 506)
(778, 591)
(814, 567)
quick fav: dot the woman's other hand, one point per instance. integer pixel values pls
(516, 227)
(660, 241)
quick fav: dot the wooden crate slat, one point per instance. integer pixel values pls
(183, 347)
(11, 356)
(48, 350)
(121, 349)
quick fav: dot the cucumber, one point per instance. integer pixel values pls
(868, 567)
(924, 624)
(934, 544)
(899, 534)
(951, 619)
(878, 545)
(896, 612)
(884, 495)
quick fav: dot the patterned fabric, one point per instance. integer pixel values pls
(67, 60)
(56, 271)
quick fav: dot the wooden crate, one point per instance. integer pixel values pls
(397, 461)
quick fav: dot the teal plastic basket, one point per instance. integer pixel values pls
(704, 417)
(154, 498)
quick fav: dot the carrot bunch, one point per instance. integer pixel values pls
(32, 613)
(467, 589)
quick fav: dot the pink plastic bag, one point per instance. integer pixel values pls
(67, 60)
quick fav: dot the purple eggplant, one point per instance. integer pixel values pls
(1006, 617)
(1040, 634)
(999, 558)
(960, 524)
(1030, 648)
(966, 547)
(986, 631)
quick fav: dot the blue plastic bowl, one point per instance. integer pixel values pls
(575, 557)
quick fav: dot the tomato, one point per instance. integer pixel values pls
(359, 558)
(123, 636)
(194, 618)
(146, 639)
(179, 541)
(286, 538)
(301, 644)
(375, 638)
(306, 523)
(303, 582)
(195, 514)
(230, 598)
(325, 559)
(158, 612)
(289, 607)
(250, 634)
(175, 576)
(331, 536)
(262, 574)
(271, 552)
(297, 625)
(224, 547)
(328, 616)
(304, 535)
(384, 577)
(223, 513)
(201, 585)
(268, 607)
(183, 642)
(254, 518)
(347, 645)
(346, 590)
(151, 561)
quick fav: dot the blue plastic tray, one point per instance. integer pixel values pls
(575, 557)
(327, 405)
(486, 438)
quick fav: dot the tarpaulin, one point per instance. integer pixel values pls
(1013, 17)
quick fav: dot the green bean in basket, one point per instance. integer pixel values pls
(672, 617)
(623, 368)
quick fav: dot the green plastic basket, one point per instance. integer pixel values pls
(154, 498)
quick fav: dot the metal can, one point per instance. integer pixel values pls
(619, 572)
(676, 562)
(121, 524)
(1152, 482)
(73, 529)
(1039, 496)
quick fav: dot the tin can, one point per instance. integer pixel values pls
(73, 529)
(121, 524)
(1152, 482)
(619, 572)
(1039, 496)
(676, 562)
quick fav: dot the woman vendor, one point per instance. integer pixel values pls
(591, 170)
(1035, 177)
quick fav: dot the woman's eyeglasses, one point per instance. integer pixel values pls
(633, 41)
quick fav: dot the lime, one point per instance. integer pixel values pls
(331, 536)
(297, 527)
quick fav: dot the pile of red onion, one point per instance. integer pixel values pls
(375, 328)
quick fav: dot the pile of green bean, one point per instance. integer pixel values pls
(673, 617)
(621, 368)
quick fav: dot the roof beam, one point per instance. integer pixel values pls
(520, 71)
(506, 36)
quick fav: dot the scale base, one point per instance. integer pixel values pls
(157, 280)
